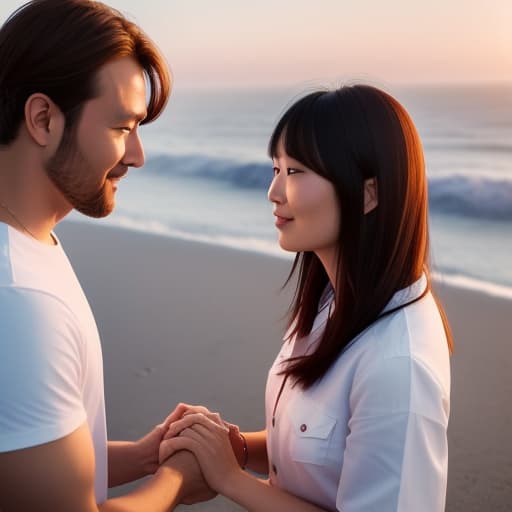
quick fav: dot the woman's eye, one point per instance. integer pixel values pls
(291, 170)
(275, 171)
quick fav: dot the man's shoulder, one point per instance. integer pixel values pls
(30, 265)
(32, 313)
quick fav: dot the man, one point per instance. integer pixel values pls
(73, 77)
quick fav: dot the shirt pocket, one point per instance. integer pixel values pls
(310, 433)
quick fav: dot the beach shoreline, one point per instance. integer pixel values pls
(188, 321)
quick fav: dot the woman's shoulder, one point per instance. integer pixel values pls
(404, 360)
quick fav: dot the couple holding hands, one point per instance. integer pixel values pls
(357, 400)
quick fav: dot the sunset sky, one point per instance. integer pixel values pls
(241, 43)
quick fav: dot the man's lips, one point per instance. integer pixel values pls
(117, 175)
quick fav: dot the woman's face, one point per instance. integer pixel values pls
(305, 206)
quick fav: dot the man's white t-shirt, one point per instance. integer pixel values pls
(51, 368)
(370, 436)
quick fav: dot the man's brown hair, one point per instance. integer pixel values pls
(56, 47)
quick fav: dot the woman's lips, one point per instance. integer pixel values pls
(282, 221)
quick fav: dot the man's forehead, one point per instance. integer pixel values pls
(121, 72)
(121, 82)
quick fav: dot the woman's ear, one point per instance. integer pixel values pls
(371, 197)
(44, 120)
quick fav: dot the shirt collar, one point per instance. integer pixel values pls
(407, 294)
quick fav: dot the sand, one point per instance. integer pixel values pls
(185, 321)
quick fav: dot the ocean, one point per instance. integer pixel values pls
(207, 173)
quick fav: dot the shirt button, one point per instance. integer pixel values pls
(303, 427)
(274, 469)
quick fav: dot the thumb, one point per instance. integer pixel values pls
(177, 414)
(167, 448)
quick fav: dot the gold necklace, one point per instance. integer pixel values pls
(18, 221)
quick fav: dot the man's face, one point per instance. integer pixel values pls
(96, 153)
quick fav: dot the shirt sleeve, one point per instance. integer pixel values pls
(41, 357)
(395, 457)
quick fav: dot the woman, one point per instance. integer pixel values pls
(357, 401)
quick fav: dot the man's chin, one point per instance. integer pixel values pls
(97, 211)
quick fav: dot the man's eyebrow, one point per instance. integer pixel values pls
(137, 116)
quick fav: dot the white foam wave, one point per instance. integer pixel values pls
(470, 283)
(271, 248)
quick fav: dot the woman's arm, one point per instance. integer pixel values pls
(257, 458)
(257, 495)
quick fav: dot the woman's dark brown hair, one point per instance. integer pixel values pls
(56, 47)
(348, 136)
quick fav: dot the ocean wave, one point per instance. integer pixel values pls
(470, 283)
(468, 195)
(472, 196)
(240, 174)
(450, 276)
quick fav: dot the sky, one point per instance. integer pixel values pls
(290, 42)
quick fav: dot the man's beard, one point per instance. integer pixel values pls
(69, 171)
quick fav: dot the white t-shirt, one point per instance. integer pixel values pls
(371, 435)
(51, 369)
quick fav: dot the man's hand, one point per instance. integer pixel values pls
(194, 488)
(129, 461)
(149, 446)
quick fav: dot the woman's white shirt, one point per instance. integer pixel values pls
(371, 434)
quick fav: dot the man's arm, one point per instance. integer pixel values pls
(52, 477)
(59, 476)
(129, 461)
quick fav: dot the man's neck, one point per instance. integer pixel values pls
(29, 202)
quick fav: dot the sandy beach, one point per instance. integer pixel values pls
(185, 321)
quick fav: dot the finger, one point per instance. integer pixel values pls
(183, 409)
(174, 445)
(213, 416)
(197, 409)
(231, 426)
(211, 438)
(234, 430)
(177, 426)
(187, 421)
(167, 448)
(199, 432)
(178, 412)
(160, 429)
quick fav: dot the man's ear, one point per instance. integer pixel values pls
(44, 120)
(371, 196)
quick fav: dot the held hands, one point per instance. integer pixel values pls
(194, 489)
(209, 438)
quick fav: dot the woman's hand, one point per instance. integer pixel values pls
(207, 437)
(182, 410)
